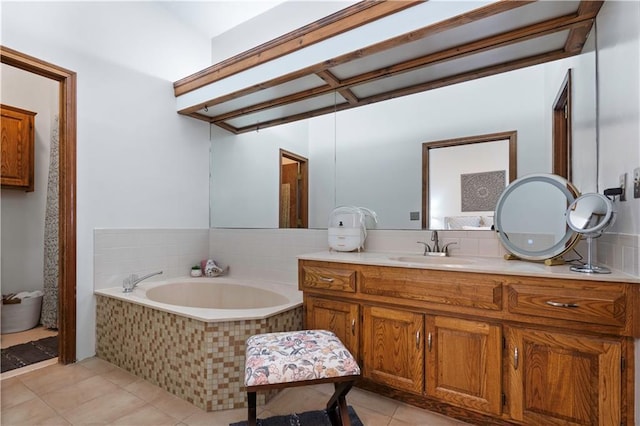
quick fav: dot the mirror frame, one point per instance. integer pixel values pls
(568, 241)
(492, 137)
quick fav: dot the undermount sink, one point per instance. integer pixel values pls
(432, 260)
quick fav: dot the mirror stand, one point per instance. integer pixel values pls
(558, 260)
(589, 267)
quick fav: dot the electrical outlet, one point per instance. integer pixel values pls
(623, 186)
(414, 215)
(636, 183)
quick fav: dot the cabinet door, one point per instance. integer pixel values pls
(17, 138)
(393, 349)
(464, 363)
(336, 316)
(557, 378)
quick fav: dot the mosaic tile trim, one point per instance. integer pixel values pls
(202, 363)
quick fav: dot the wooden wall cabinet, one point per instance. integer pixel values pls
(17, 145)
(485, 348)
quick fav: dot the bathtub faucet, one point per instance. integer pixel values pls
(129, 283)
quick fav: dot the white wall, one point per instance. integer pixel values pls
(23, 212)
(139, 164)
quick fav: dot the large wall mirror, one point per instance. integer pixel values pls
(463, 178)
(371, 156)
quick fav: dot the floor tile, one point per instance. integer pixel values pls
(120, 377)
(145, 416)
(54, 377)
(77, 394)
(222, 418)
(97, 365)
(370, 417)
(146, 390)
(173, 406)
(14, 392)
(105, 409)
(415, 416)
(31, 412)
(372, 401)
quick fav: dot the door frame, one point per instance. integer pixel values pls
(67, 193)
(562, 130)
(304, 182)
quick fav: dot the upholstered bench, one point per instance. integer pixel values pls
(299, 358)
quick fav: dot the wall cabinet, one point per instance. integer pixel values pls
(485, 348)
(17, 145)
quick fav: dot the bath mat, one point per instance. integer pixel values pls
(309, 418)
(28, 353)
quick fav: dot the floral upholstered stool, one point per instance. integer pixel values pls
(299, 358)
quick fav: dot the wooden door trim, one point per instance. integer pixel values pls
(304, 171)
(67, 193)
(562, 131)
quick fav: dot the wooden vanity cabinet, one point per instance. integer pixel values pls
(17, 145)
(486, 348)
(464, 360)
(558, 378)
(343, 318)
(393, 348)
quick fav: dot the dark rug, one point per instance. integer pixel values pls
(309, 418)
(28, 353)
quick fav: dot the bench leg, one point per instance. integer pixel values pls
(337, 405)
(251, 414)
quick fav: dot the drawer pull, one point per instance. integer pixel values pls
(516, 358)
(429, 341)
(562, 305)
(353, 327)
(326, 280)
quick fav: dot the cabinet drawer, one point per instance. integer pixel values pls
(599, 306)
(328, 278)
(450, 288)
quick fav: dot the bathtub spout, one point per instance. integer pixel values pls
(132, 281)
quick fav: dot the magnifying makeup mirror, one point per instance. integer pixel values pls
(589, 215)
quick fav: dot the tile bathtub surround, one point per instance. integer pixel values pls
(202, 363)
(121, 252)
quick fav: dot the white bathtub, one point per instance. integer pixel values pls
(212, 299)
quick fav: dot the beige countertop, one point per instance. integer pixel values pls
(486, 265)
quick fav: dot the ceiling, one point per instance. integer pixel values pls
(244, 93)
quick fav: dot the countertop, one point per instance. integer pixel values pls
(485, 265)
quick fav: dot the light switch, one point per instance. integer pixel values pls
(636, 183)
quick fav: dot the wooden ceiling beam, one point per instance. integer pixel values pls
(344, 20)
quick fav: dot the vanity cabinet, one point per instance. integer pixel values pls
(464, 359)
(486, 348)
(341, 317)
(17, 145)
(559, 378)
(392, 347)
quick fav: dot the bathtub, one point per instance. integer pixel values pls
(188, 335)
(212, 299)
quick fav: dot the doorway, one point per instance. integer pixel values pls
(67, 193)
(562, 130)
(294, 190)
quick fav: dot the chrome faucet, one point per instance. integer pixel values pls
(435, 249)
(129, 283)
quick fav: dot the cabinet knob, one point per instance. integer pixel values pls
(353, 327)
(516, 358)
(418, 339)
(429, 341)
(326, 280)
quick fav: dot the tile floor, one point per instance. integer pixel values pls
(95, 392)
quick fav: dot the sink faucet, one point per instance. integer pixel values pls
(434, 238)
(129, 283)
(435, 249)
